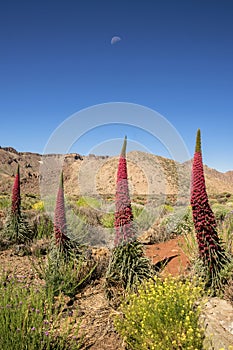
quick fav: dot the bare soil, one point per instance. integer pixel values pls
(96, 314)
(95, 311)
(171, 254)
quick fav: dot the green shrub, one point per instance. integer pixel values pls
(107, 220)
(226, 232)
(180, 222)
(4, 202)
(146, 218)
(137, 210)
(166, 209)
(88, 202)
(42, 226)
(29, 319)
(220, 211)
(65, 273)
(162, 315)
(77, 229)
(28, 201)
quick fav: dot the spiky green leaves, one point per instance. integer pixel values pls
(128, 267)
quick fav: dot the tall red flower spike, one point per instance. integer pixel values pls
(209, 246)
(60, 228)
(123, 212)
(16, 200)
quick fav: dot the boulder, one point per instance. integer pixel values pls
(218, 320)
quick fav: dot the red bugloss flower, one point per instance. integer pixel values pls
(203, 217)
(60, 227)
(123, 212)
(16, 200)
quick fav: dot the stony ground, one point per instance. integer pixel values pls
(96, 313)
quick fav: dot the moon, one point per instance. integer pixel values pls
(115, 39)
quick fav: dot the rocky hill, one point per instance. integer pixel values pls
(96, 175)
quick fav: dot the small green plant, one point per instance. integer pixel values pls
(42, 226)
(226, 230)
(146, 218)
(137, 210)
(164, 314)
(4, 202)
(107, 220)
(88, 202)
(179, 222)
(220, 211)
(166, 209)
(30, 320)
(66, 272)
(28, 201)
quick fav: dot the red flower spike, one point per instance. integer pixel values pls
(16, 200)
(60, 228)
(123, 213)
(203, 216)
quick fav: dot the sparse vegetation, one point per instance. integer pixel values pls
(4, 201)
(155, 312)
(31, 319)
(88, 202)
(42, 226)
(179, 222)
(66, 274)
(107, 220)
(220, 211)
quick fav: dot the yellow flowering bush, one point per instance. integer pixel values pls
(38, 206)
(163, 315)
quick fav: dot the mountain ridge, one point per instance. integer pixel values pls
(94, 174)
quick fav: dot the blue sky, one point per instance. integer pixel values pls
(175, 57)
